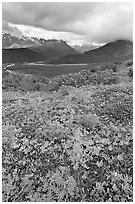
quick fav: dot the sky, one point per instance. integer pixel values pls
(77, 23)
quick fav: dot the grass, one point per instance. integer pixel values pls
(85, 77)
(69, 143)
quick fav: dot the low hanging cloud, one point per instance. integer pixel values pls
(91, 22)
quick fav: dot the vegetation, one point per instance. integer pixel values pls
(129, 63)
(84, 77)
(68, 138)
(130, 73)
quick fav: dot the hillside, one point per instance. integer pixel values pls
(21, 55)
(48, 48)
(54, 49)
(85, 47)
(68, 138)
(120, 50)
(10, 41)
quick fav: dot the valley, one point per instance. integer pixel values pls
(67, 122)
(18, 50)
(49, 70)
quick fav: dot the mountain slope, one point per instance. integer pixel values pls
(54, 49)
(48, 52)
(20, 55)
(118, 50)
(49, 48)
(9, 41)
(86, 47)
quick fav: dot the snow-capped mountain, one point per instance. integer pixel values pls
(86, 47)
(9, 41)
(48, 48)
(119, 50)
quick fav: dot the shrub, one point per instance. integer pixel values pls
(115, 104)
(129, 63)
(24, 82)
(107, 77)
(52, 86)
(105, 67)
(93, 70)
(88, 121)
(51, 153)
(117, 62)
(130, 73)
(64, 91)
(84, 77)
(114, 68)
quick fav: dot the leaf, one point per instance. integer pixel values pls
(115, 187)
(120, 157)
(105, 141)
(99, 164)
(75, 167)
(109, 200)
(43, 148)
(15, 146)
(71, 185)
(96, 151)
(110, 148)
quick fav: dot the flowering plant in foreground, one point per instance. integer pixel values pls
(73, 145)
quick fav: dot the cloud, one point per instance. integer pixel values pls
(31, 31)
(13, 30)
(96, 22)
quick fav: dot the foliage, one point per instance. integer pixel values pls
(64, 90)
(129, 63)
(72, 145)
(23, 82)
(130, 73)
(112, 66)
(32, 83)
(93, 70)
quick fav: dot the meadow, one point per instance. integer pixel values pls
(68, 138)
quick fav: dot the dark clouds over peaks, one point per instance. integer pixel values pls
(91, 22)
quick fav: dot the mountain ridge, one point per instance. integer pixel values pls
(59, 52)
(86, 47)
(21, 55)
(49, 48)
(117, 50)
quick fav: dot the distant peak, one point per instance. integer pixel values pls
(120, 41)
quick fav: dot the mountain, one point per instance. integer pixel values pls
(9, 41)
(48, 52)
(54, 49)
(49, 48)
(21, 55)
(85, 47)
(119, 50)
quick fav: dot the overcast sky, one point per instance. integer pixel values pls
(76, 23)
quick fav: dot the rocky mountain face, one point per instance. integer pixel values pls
(9, 41)
(54, 49)
(119, 50)
(59, 52)
(48, 48)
